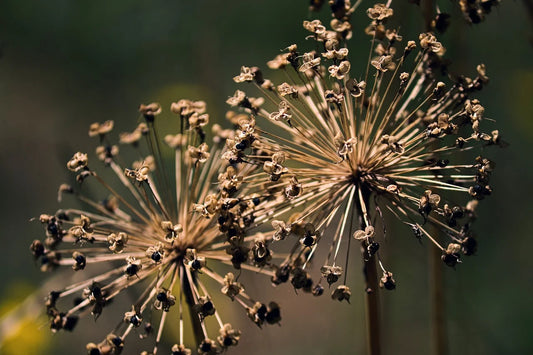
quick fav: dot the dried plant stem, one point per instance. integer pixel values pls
(372, 306)
(436, 279)
(195, 320)
(428, 9)
(371, 282)
(438, 319)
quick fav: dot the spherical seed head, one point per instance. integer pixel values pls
(357, 146)
(155, 240)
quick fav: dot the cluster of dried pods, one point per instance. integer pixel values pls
(313, 161)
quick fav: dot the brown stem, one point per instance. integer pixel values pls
(371, 279)
(528, 4)
(438, 310)
(439, 342)
(372, 305)
(195, 320)
(428, 10)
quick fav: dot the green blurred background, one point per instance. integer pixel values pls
(65, 64)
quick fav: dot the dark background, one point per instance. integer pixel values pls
(65, 64)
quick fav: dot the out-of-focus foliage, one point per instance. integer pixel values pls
(21, 331)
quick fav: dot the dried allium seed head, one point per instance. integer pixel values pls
(346, 147)
(149, 238)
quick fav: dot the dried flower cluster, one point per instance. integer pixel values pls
(340, 147)
(159, 235)
(319, 159)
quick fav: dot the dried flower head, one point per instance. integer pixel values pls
(342, 145)
(157, 233)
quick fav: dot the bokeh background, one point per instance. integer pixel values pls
(65, 64)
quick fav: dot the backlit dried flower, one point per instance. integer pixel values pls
(158, 240)
(397, 128)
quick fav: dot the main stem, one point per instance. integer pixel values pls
(371, 284)
(438, 316)
(372, 305)
(195, 320)
(428, 10)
